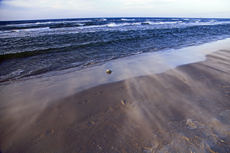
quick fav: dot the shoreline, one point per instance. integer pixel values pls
(183, 109)
(136, 65)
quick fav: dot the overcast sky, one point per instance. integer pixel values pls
(57, 9)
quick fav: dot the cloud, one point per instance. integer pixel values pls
(112, 8)
(102, 4)
(54, 4)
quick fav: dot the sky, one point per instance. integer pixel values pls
(61, 9)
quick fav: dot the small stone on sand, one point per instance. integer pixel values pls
(108, 71)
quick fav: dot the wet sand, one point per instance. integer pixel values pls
(186, 109)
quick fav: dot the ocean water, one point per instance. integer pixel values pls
(30, 48)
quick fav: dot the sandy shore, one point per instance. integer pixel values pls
(186, 109)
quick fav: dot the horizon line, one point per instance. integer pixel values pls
(111, 18)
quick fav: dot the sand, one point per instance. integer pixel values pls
(185, 109)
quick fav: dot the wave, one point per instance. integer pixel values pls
(64, 48)
(140, 23)
(213, 21)
(20, 25)
(31, 29)
(99, 22)
(13, 74)
(111, 24)
(109, 40)
(46, 23)
(155, 23)
(127, 19)
(3, 32)
(66, 26)
(118, 25)
(103, 19)
(63, 22)
(24, 30)
(25, 54)
(28, 24)
(51, 24)
(87, 25)
(57, 49)
(37, 29)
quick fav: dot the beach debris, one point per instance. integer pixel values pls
(108, 71)
(123, 102)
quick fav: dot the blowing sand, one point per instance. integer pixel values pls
(186, 109)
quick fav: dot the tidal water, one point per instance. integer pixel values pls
(30, 48)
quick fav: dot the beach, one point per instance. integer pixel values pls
(183, 107)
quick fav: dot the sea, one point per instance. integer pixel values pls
(38, 47)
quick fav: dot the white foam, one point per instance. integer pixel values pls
(43, 23)
(112, 25)
(102, 19)
(136, 23)
(36, 29)
(20, 25)
(15, 30)
(12, 74)
(152, 23)
(213, 21)
(46, 22)
(79, 21)
(118, 25)
(80, 24)
(92, 26)
(127, 19)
